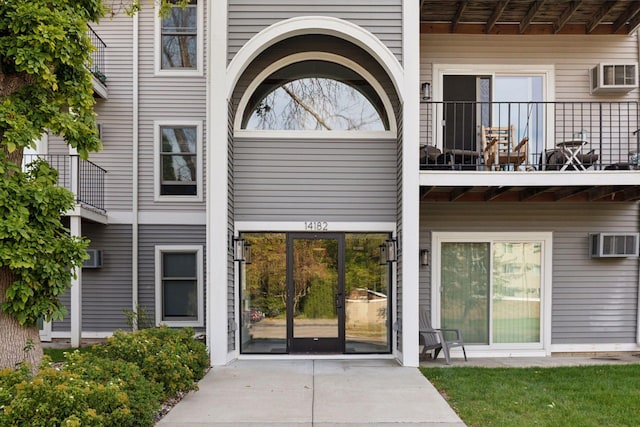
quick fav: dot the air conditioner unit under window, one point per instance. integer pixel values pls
(611, 78)
(95, 259)
(609, 245)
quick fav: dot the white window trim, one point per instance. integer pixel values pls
(198, 71)
(157, 140)
(315, 56)
(546, 238)
(159, 250)
(547, 72)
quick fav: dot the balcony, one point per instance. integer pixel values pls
(83, 178)
(578, 148)
(98, 65)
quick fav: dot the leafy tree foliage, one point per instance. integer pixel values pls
(44, 79)
(35, 245)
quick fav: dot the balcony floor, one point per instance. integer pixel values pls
(547, 186)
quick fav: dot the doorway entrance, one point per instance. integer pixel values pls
(315, 293)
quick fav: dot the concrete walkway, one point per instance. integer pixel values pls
(313, 393)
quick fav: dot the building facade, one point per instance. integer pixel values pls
(298, 180)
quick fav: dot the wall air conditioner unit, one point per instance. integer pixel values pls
(611, 245)
(614, 78)
(95, 259)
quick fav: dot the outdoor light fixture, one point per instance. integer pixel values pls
(424, 257)
(241, 250)
(426, 91)
(388, 252)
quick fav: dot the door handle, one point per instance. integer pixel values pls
(338, 300)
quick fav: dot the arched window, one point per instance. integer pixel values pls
(315, 95)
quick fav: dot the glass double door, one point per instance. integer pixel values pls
(315, 293)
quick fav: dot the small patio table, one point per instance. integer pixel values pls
(570, 150)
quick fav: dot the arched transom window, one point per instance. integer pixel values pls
(315, 95)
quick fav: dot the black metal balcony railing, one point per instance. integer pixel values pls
(598, 135)
(98, 56)
(82, 177)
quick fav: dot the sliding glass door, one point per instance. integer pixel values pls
(492, 290)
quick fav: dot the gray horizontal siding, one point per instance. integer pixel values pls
(383, 18)
(116, 113)
(594, 300)
(149, 237)
(163, 97)
(296, 180)
(106, 291)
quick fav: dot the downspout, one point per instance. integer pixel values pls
(134, 170)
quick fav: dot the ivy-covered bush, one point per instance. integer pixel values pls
(167, 356)
(61, 398)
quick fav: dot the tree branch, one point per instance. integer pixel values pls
(10, 83)
(301, 103)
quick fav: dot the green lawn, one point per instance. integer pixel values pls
(57, 354)
(575, 396)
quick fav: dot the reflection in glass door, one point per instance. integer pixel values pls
(315, 293)
(491, 291)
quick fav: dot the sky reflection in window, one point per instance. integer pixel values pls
(315, 95)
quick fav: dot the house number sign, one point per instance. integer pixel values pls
(316, 225)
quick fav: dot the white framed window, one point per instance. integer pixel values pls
(495, 287)
(179, 285)
(307, 93)
(179, 41)
(178, 160)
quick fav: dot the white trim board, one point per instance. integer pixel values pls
(284, 226)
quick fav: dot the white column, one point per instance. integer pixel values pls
(410, 180)
(217, 185)
(76, 290)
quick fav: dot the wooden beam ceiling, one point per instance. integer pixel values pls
(531, 13)
(456, 19)
(628, 16)
(566, 15)
(600, 14)
(497, 12)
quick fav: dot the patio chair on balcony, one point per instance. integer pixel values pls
(436, 339)
(433, 158)
(500, 150)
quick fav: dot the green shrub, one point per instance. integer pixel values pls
(60, 398)
(144, 395)
(167, 356)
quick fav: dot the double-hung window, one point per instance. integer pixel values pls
(179, 285)
(179, 40)
(178, 160)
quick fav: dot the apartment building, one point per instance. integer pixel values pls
(298, 179)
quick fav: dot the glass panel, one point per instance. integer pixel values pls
(516, 292)
(514, 96)
(315, 95)
(465, 290)
(179, 264)
(180, 299)
(315, 285)
(366, 294)
(179, 40)
(177, 167)
(179, 139)
(263, 292)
